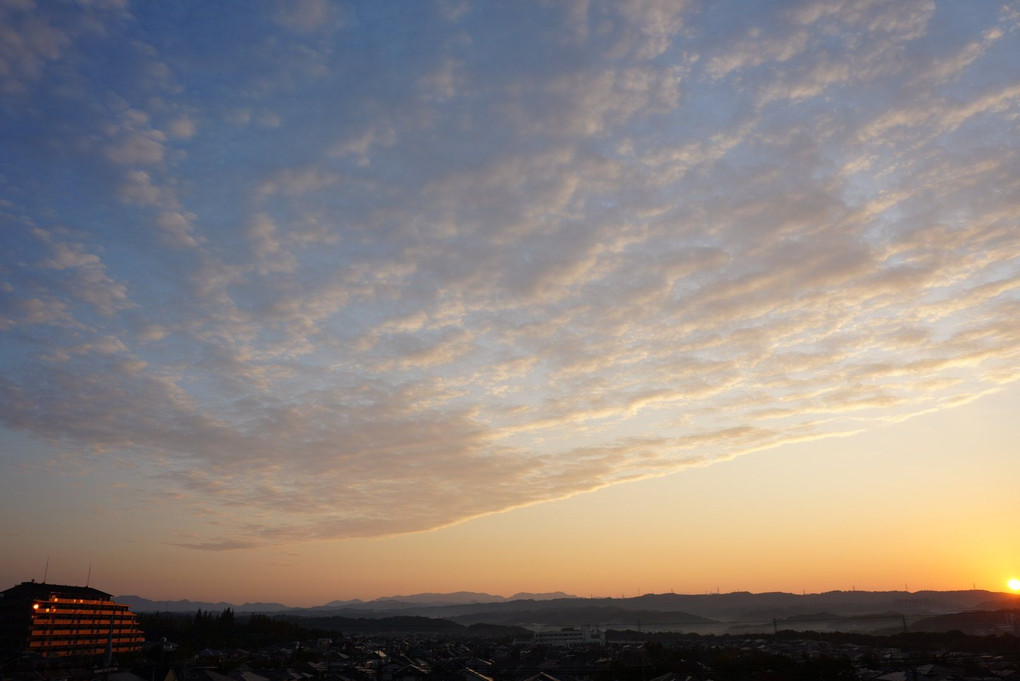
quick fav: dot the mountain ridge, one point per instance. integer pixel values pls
(141, 604)
(554, 608)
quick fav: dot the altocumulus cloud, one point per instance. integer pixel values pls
(322, 270)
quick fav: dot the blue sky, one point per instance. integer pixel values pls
(310, 271)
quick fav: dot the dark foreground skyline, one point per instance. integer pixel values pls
(810, 636)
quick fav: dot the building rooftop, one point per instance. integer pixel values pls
(42, 591)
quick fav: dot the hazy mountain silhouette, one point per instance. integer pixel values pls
(727, 606)
(387, 603)
(432, 600)
(139, 604)
(710, 613)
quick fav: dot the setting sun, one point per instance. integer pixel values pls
(1014, 584)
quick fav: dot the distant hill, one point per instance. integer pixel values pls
(539, 597)
(387, 603)
(139, 604)
(977, 623)
(457, 598)
(404, 625)
(740, 612)
(863, 611)
(577, 612)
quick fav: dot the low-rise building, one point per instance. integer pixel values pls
(570, 637)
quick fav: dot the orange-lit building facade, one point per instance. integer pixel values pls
(57, 621)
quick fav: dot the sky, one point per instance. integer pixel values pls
(312, 300)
